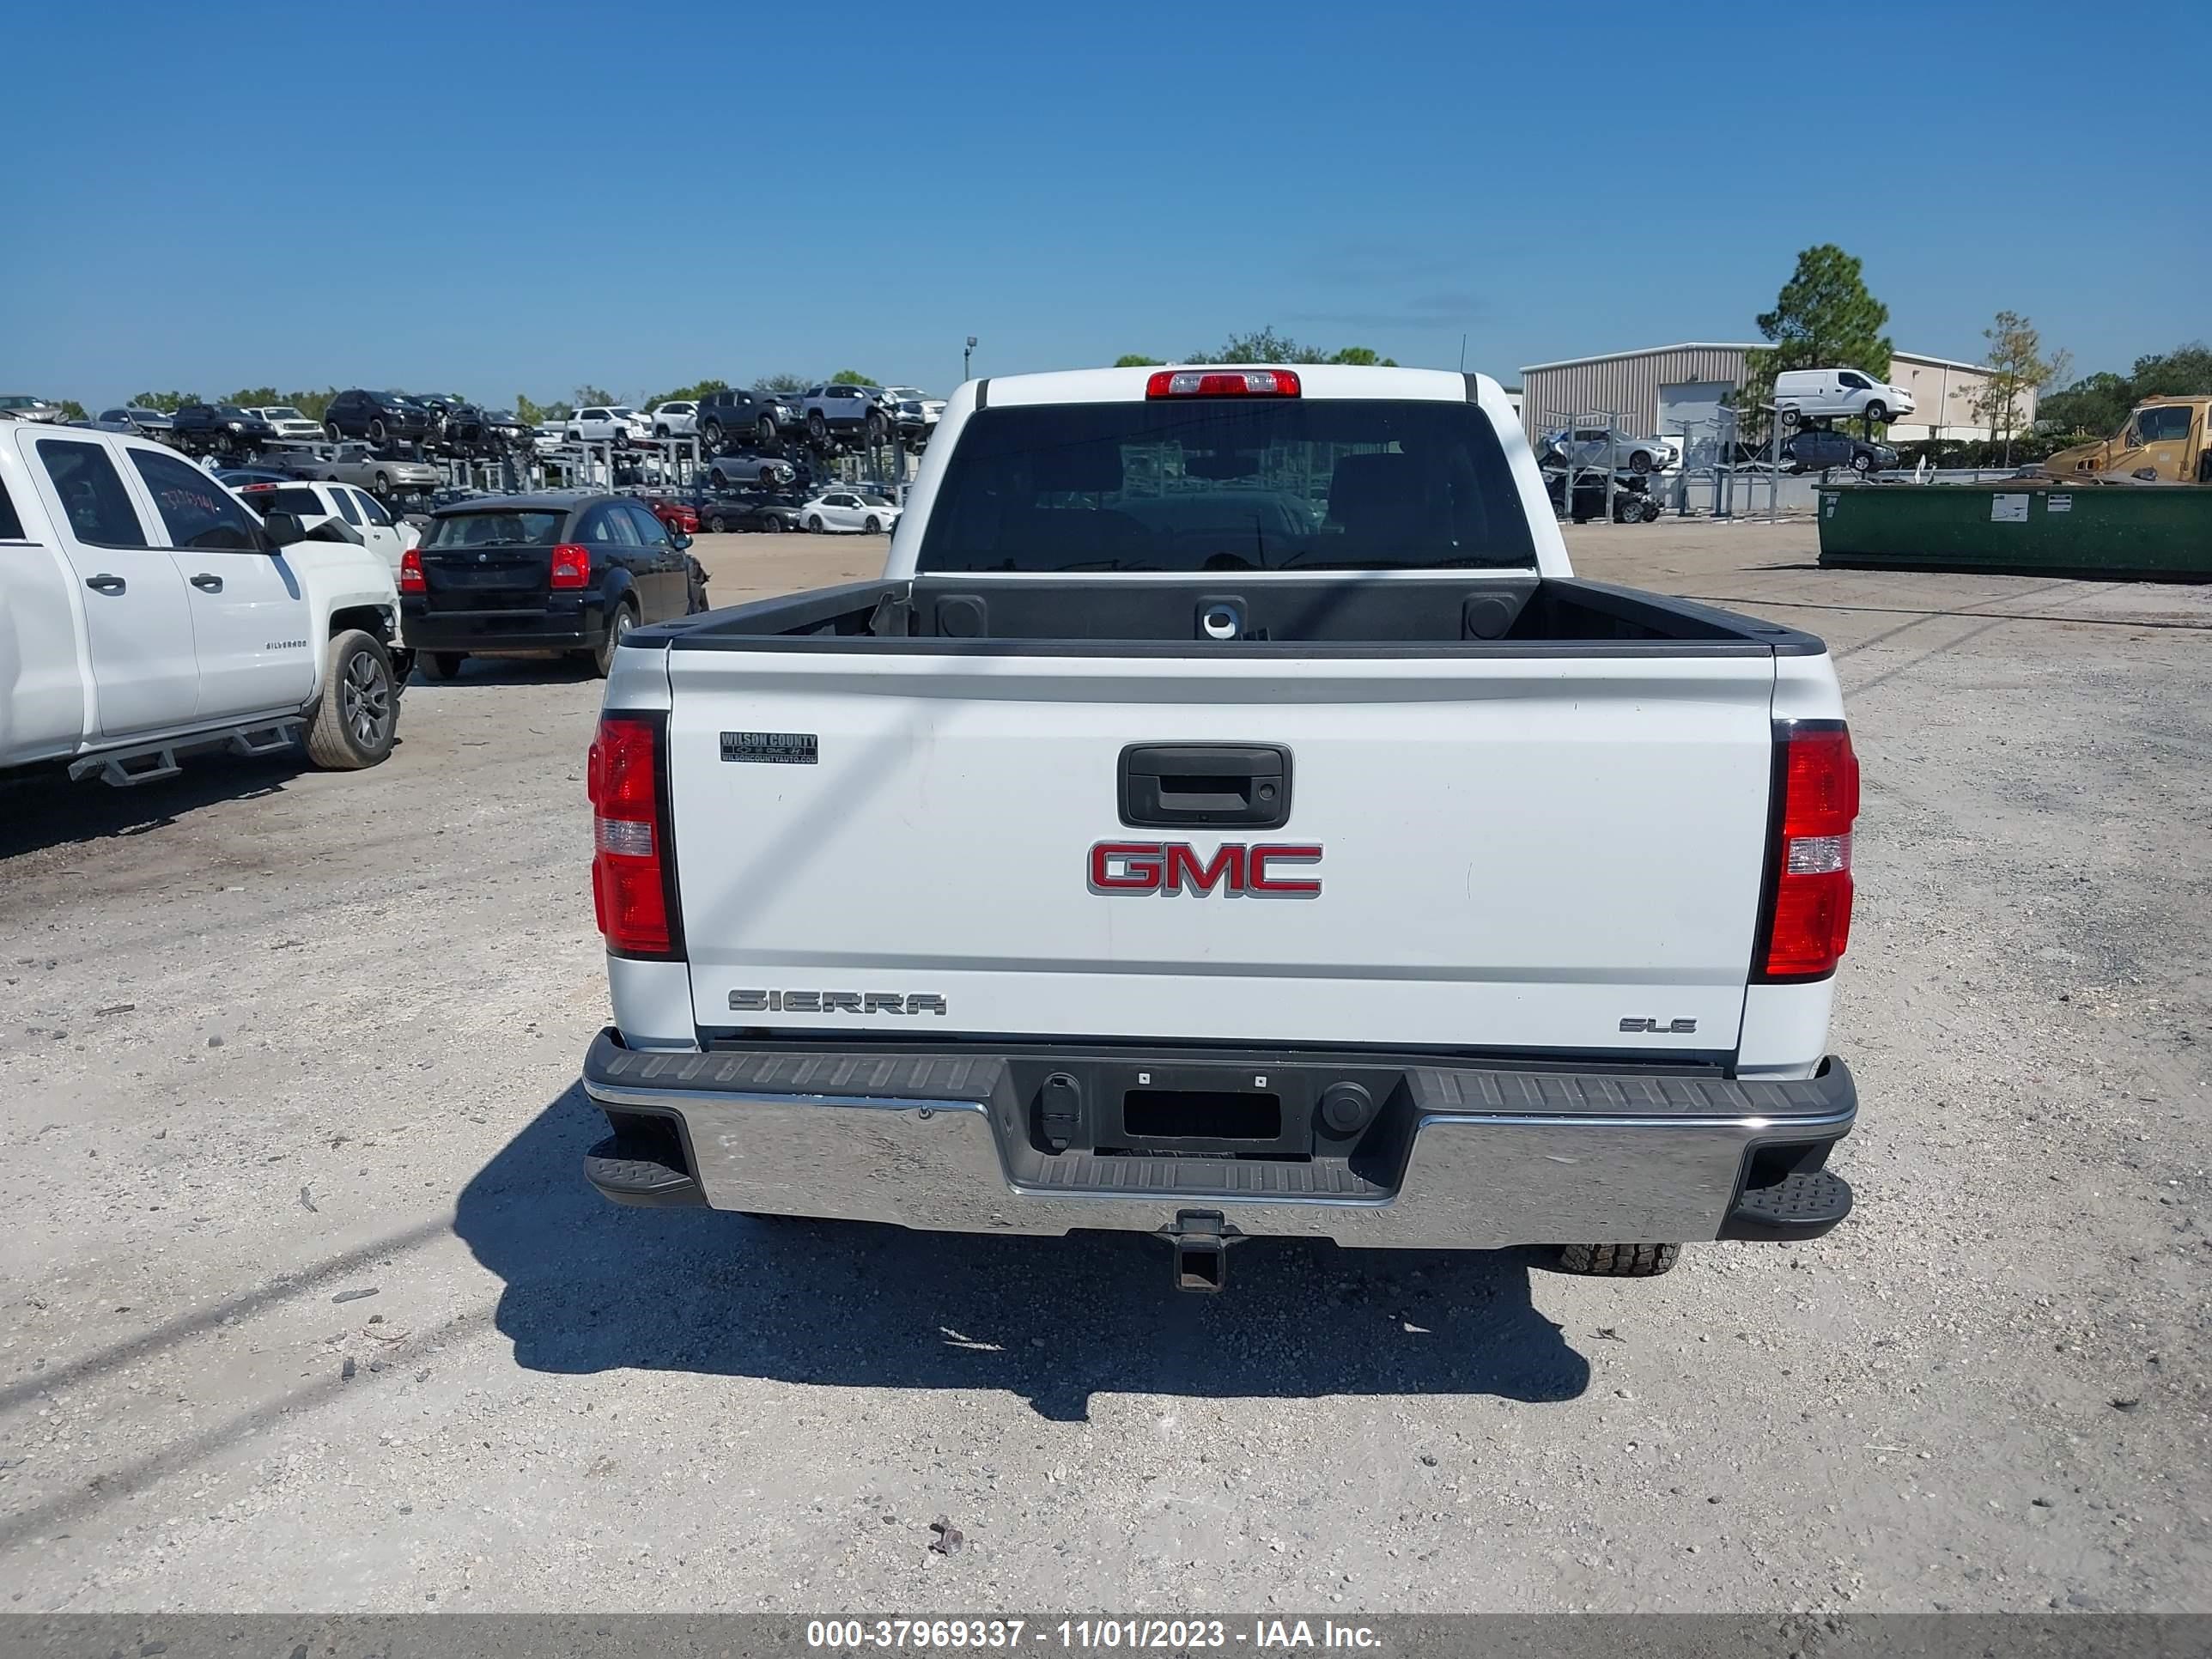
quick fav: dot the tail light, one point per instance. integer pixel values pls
(572, 566)
(633, 867)
(1223, 383)
(1809, 919)
(411, 573)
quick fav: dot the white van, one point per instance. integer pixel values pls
(1817, 394)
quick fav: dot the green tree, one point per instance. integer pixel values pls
(851, 377)
(2017, 367)
(2098, 403)
(253, 397)
(1131, 360)
(690, 394)
(168, 401)
(781, 384)
(527, 408)
(313, 404)
(73, 411)
(1824, 317)
(1266, 346)
(2185, 372)
(592, 394)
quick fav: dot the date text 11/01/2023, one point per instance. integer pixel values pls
(1090, 1635)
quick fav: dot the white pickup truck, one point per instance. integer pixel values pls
(1229, 815)
(145, 613)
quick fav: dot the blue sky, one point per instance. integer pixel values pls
(495, 198)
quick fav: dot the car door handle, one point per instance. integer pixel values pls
(104, 583)
(208, 584)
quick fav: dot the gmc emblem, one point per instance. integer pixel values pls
(1173, 866)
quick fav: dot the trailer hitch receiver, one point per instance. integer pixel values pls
(1201, 1250)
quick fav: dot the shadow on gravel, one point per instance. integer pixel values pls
(547, 668)
(588, 1286)
(44, 809)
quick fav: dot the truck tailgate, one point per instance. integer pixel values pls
(1513, 852)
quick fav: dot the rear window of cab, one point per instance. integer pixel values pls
(1230, 485)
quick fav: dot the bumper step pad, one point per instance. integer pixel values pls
(1799, 1207)
(644, 1181)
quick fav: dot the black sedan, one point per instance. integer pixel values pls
(219, 429)
(1818, 450)
(748, 510)
(503, 575)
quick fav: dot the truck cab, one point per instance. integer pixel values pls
(146, 613)
(2164, 442)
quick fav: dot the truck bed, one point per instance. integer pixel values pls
(1522, 613)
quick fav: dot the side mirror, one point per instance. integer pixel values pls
(678, 540)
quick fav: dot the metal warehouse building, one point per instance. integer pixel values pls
(1663, 389)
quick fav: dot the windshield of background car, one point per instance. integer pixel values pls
(283, 412)
(231, 412)
(1228, 484)
(511, 527)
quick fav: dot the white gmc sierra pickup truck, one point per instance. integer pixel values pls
(146, 614)
(1227, 815)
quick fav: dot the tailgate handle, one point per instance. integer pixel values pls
(1166, 785)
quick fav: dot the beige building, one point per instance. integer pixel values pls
(1667, 389)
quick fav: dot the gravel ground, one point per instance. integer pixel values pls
(307, 1307)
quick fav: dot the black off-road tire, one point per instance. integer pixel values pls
(624, 619)
(442, 665)
(357, 718)
(1619, 1261)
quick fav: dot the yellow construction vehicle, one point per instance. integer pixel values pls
(2166, 440)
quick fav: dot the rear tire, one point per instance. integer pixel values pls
(618, 625)
(443, 665)
(1619, 1261)
(357, 717)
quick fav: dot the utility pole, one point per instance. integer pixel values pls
(967, 353)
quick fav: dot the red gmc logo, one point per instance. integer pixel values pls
(1173, 866)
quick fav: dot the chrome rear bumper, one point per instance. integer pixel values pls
(1483, 1157)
